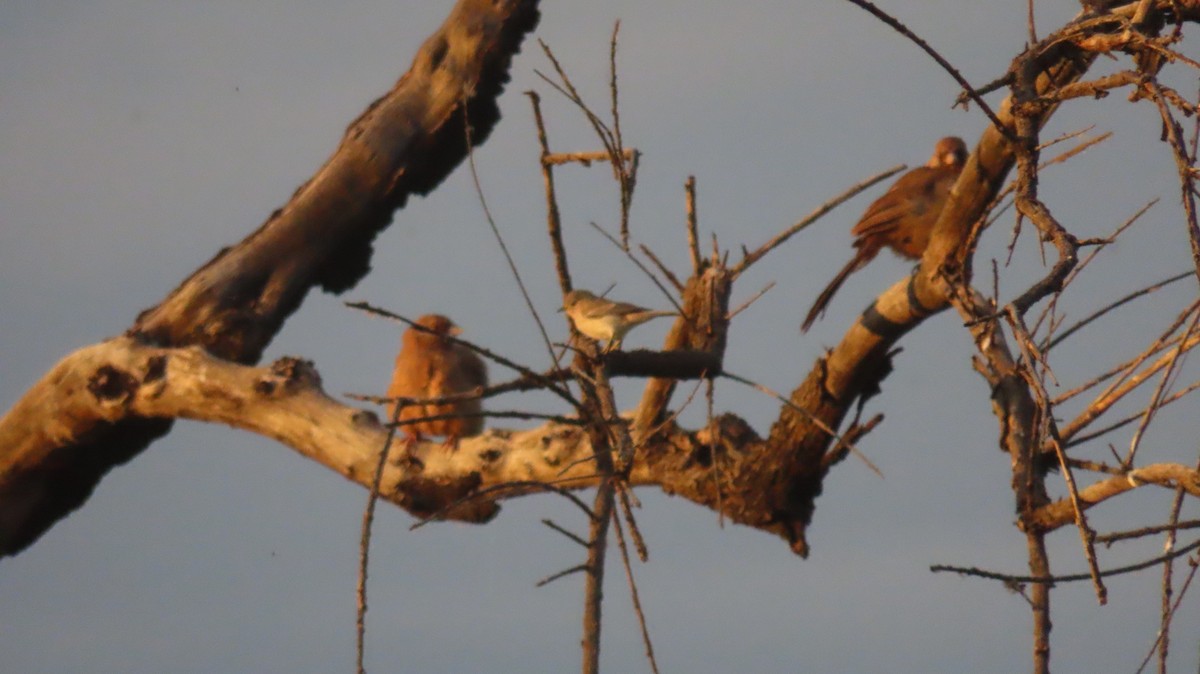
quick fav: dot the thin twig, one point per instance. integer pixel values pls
(997, 211)
(1045, 417)
(628, 500)
(1163, 342)
(806, 414)
(854, 433)
(1164, 381)
(1195, 135)
(1164, 632)
(584, 158)
(1075, 577)
(567, 89)
(1080, 439)
(1183, 164)
(1032, 27)
(633, 593)
(612, 85)
(649, 274)
(962, 82)
(664, 269)
(553, 218)
(674, 415)
(1116, 392)
(713, 456)
(689, 190)
(1195, 566)
(1114, 305)
(753, 298)
(486, 414)
(752, 257)
(364, 547)
(487, 213)
(626, 172)
(550, 384)
(561, 574)
(521, 383)
(1100, 245)
(520, 486)
(564, 532)
(597, 546)
(1109, 539)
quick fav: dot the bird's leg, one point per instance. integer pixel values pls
(412, 438)
(451, 443)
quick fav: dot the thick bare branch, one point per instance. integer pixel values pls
(124, 378)
(404, 143)
(701, 330)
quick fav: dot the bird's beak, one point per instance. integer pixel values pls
(454, 331)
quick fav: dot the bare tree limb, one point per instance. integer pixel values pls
(123, 378)
(1171, 475)
(405, 143)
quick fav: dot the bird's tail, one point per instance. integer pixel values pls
(818, 308)
(643, 316)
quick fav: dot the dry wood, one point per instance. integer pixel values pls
(404, 143)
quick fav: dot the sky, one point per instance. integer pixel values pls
(138, 138)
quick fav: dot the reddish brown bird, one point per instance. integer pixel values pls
(430, 366)
(902, 219)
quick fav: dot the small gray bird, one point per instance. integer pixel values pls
(599, 318)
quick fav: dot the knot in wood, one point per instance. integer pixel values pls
(110, 384)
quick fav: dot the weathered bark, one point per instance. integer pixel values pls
(105, 384)
(405, 143)
(702, 331)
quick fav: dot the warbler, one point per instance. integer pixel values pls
(599, 318)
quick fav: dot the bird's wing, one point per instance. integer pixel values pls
(438, 372)
(410, 378)
(910, 191)
(599, 308)
(625, 308)
(472, 371)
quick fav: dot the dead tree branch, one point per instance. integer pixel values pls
(405, 143)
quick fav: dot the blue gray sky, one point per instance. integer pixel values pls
(138, 138)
